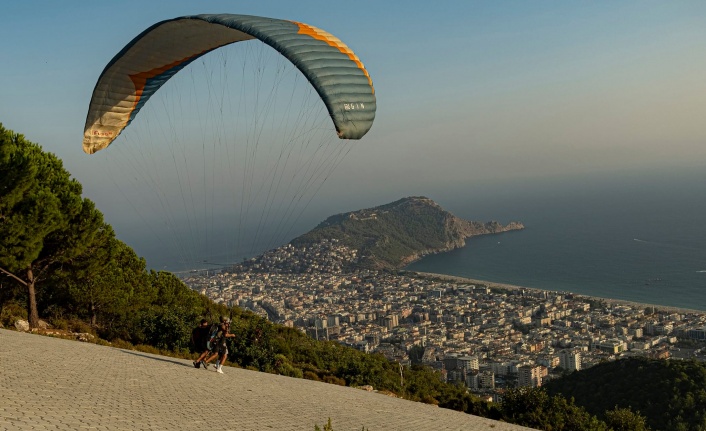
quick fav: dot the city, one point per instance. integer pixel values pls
(484, 337)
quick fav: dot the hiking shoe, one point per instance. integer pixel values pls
(219, 370)
(205, 365)
(197, 364)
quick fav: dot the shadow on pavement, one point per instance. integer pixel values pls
(157, 359)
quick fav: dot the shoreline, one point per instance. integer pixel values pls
(611, 301)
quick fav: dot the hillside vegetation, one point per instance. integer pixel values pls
(394, 235)
(670, 394)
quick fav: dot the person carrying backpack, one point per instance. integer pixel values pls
(219, 346)
(207, 346)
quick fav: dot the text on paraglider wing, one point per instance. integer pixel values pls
(353, 106)
(105, 133)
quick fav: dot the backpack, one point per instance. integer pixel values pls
(213, 337)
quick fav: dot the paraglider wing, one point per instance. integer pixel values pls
(154, 56)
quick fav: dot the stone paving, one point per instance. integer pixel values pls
(53, 384)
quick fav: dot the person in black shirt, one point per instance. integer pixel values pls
(199, 339)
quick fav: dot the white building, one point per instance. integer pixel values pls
(570, 360)
(468, 362)
(500, 368)
(612, 346)
(528, 375)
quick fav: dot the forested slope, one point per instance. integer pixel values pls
(671, 394)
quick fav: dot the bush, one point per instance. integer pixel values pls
(168, 329)
(291, 371)
(428, 399)
(11, 311)
(625, 420)
(310, 375)
(334, 380)
(284, 367)
(145, 348)
(76, 325)
(61, 324)
(534, 408)
(121, 344)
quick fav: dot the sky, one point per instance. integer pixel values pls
(472, 95)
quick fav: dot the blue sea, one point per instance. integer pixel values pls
(637, 236)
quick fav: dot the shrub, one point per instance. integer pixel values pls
(428, 399)
(11, 311)
(284, 367)
(61, 324)
(622, 419)
(121, 344)
(310, 375)
(77, 325)
(334, 380)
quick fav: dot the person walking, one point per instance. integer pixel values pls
(199, 338)
(220, 345)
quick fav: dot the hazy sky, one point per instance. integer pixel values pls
(469, 93)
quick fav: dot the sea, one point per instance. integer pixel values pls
(636, 236)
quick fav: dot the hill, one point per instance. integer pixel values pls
(671, 394)
(396, 234)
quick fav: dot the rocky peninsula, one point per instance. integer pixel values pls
(394, 235)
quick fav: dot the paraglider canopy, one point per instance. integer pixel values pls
(154, 56)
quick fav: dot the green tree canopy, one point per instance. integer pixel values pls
(45, 221)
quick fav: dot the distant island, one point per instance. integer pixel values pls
(394, 235)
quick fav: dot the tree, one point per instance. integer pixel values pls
(91, 283)
(254, 344)
(533, 407)
(632, 382)
(625, 420)
(415, 354)
(172, 293)
(168, 322)
(44, 221)
(128, 293)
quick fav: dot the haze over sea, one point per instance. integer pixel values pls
(637, 236)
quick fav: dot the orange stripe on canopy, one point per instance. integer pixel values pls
(140, 79)
(335, 42)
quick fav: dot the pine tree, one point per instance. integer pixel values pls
(44, 221)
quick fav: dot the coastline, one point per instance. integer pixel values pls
(611, 301)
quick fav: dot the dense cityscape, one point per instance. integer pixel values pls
(487, 338)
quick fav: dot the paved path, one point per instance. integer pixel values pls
(53, 384)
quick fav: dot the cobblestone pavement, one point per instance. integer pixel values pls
(53, 384)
